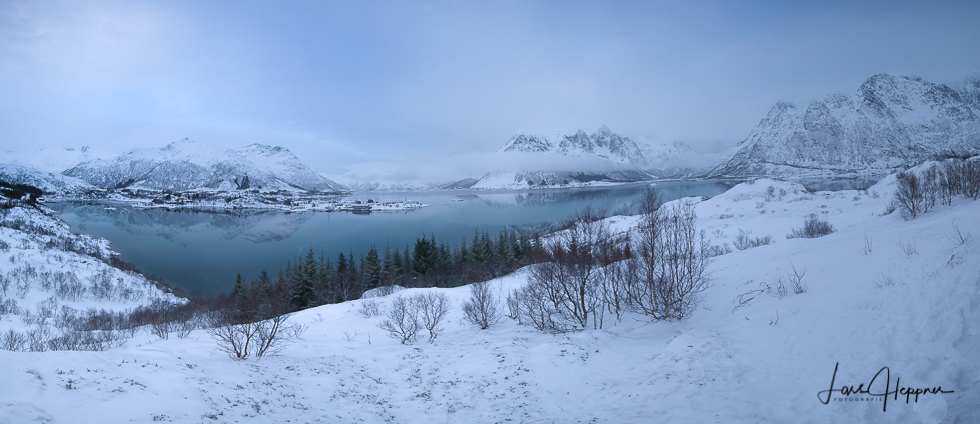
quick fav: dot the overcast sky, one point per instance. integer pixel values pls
(397, 82)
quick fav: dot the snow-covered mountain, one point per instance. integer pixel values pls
(890, 122)
(187, 164)
(573, 160)
(55, 160)
(46, 181)
(603, 144)
(542, 179)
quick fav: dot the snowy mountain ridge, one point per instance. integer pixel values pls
(576, 160)
(187, 164)
(890, 122)
(603, 144)
(55, 160)
(46, 181)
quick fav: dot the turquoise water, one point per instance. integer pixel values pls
(203, 251)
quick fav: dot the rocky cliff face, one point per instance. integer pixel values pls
(888, 123)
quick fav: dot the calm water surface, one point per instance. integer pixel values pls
(203, 251)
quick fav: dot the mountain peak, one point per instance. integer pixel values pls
(604, 144)
(889, 122)
(188, 165)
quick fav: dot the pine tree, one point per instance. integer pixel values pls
(424, 255)
(263, 284)
(239, 292)
(371, 267)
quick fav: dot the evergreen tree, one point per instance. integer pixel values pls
(398, 263)
(239, 292)
(424, 255)
(263, 284)
(477, 255)
(463, 253)
(371, 267)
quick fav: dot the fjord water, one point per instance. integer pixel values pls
(203, 251)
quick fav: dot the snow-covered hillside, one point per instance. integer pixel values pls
(880, 292)
(46, 181)
(890, 122)
(49, 276)
(187, 164)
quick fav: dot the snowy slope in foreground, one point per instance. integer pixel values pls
(765, 361)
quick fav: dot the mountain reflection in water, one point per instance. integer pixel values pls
(203, 251)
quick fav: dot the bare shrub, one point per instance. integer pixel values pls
(13, 341)
(958, 237)
(796, 280)
(233, 338)
(9, 306)
(813, 227)
(778, 288)
(165, 318)
(715, 250)
(275, 333)
(37, 338)
(537, 310)
(433, 308)
(402, 321)
(890, 207)
(908, 247)
(371, 308)
(483, 308)
(68, 287)
(672, 259)
(240, 338)
(569, 270)
(910, 194)
(514, 305)
(742, 241)
(885, 281)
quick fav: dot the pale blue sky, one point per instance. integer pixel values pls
(397, 82)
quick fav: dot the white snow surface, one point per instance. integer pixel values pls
(765, 360)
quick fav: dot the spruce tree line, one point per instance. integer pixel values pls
(313, 280)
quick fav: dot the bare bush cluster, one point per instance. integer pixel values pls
(919, 192)
(813, 227)
(371, 308)
(483, 307)
(743, 241)
(240, 337)
(580, 278)
(408, 315)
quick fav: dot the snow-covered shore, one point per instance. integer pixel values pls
(881, 292)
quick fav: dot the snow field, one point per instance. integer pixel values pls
(743, 356)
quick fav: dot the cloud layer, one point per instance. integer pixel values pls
(342, 83)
